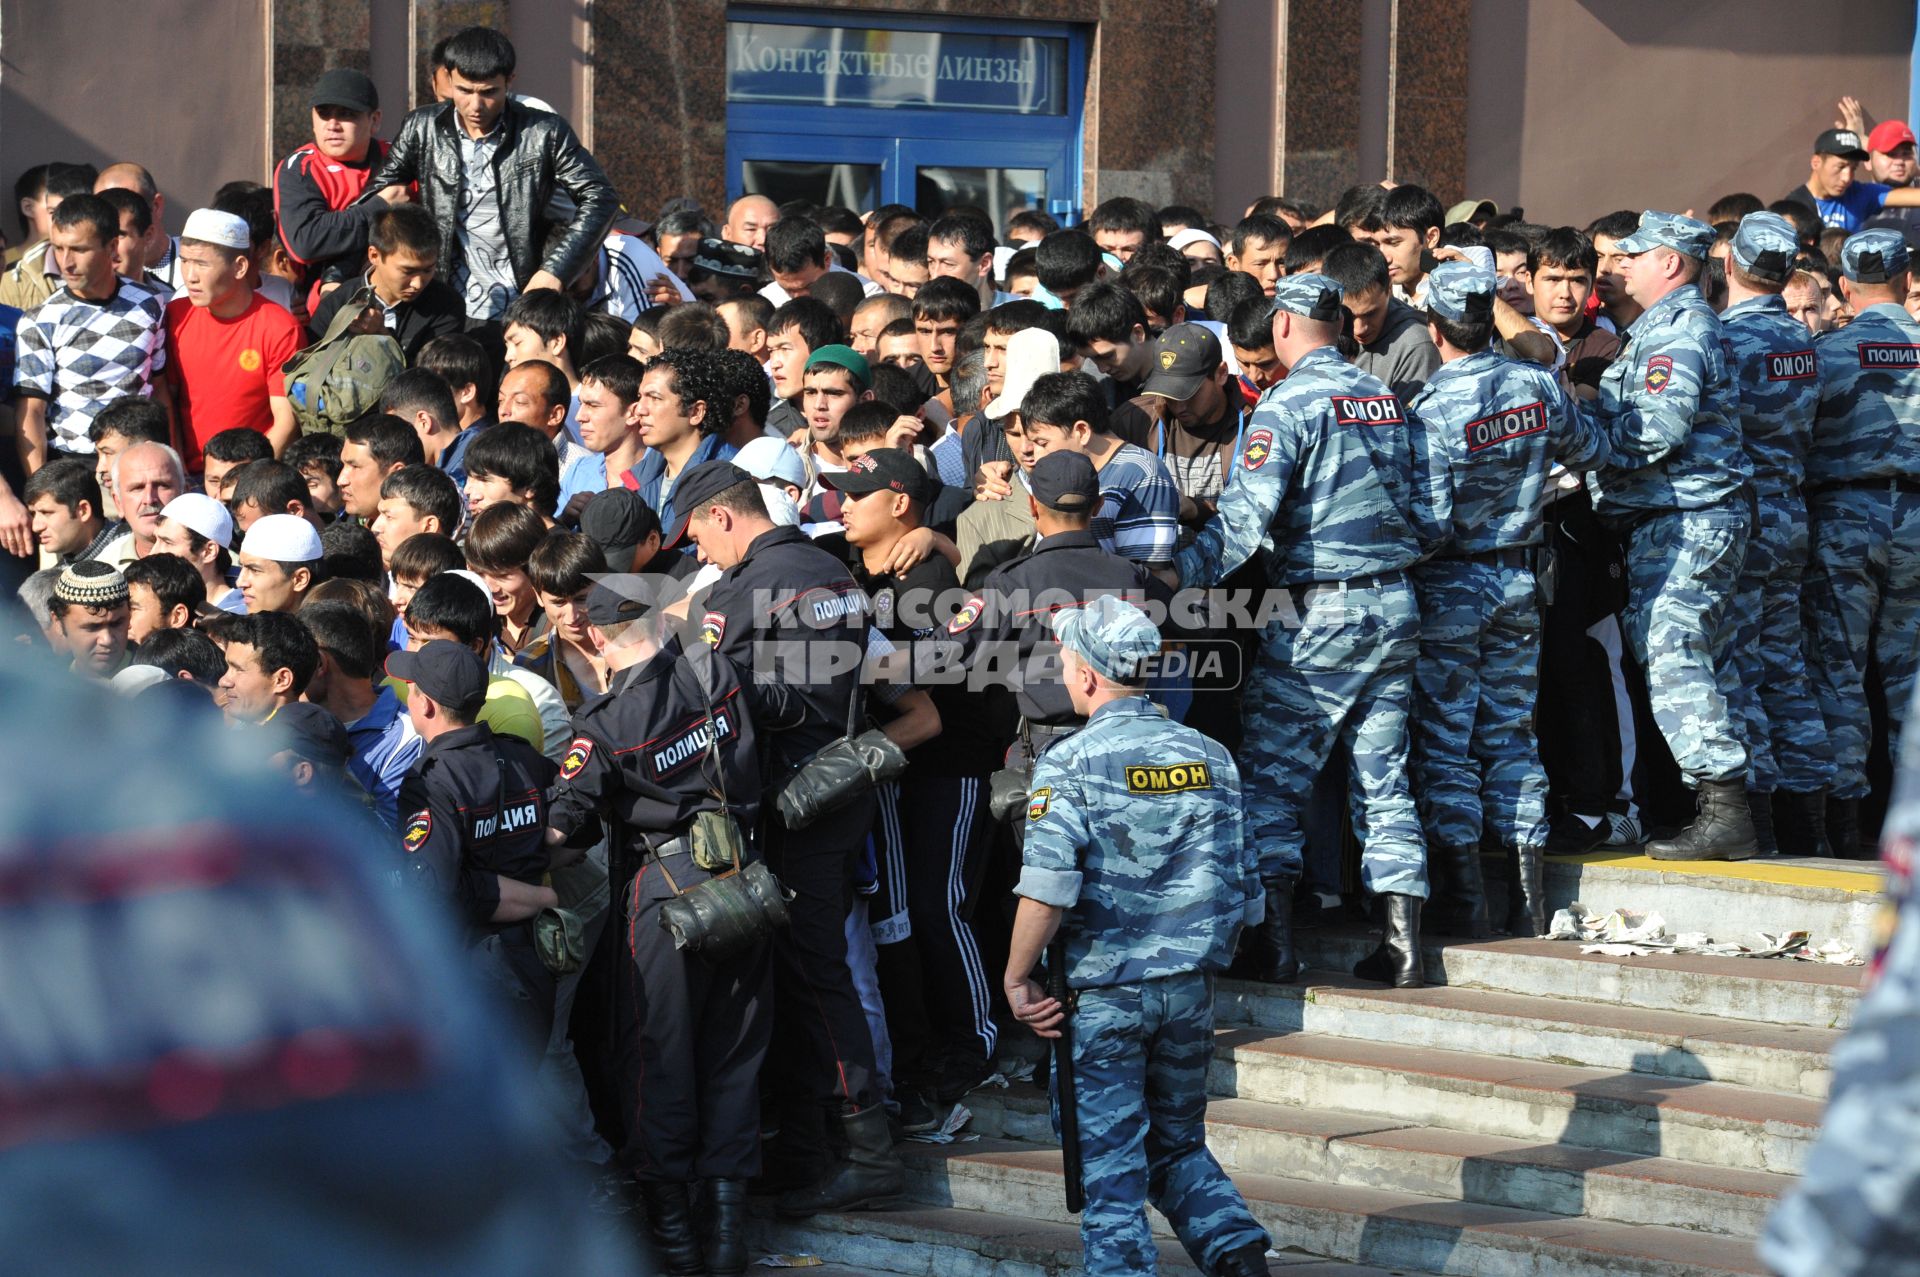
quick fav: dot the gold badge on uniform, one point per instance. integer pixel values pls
(419, 829)
(1178, 778)
(1037, 805)
(577, 755)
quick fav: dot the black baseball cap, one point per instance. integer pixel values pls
(618, 520)
(1184, 357)
(1065, 481)
(343, 86)
(698, 486)
(883, 469)
(451, 673)
(1840, 142)
(627, 597)
(313, 733)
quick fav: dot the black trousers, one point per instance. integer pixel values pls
(948, 834)
(690, 1065)
(820, 1031)
(1586, 734)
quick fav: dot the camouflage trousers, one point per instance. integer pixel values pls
(1474, 749)
(1140, 1056)
(1339, 668)
(1775, 702)
(1682, 569)
(1863, 601)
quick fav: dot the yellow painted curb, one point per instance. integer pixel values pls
(1865, 879)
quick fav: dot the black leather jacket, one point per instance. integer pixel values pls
(538, 155)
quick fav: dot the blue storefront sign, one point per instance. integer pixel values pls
(860, 109)
(933, 70)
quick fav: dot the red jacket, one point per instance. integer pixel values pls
(312, 196)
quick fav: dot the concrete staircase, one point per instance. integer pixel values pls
(1533, 1111)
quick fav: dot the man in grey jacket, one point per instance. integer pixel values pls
(488, 168)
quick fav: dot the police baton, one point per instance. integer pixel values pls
(1063, 1078)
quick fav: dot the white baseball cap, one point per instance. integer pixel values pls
(774, 459)
(284, 538)
(211, 226)
(200, 512)
(1032, 353)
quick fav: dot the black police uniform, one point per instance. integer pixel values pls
(475, 807)
(641, 755)
(1011, 622)
(802, 610)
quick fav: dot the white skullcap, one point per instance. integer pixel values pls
(203, 514)
(769, 458)
(210, 226)
(284, 538)
(1192, 235)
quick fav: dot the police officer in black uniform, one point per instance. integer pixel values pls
(786, 610)
(672, 738)
(1009, 623)
(474, 820)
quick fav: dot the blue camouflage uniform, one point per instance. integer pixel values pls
(1863, 504)
(1134, 828)
(1329, 471)
(1771, 356)
(1675, 488)
(1493, 426)
(1856, 1211)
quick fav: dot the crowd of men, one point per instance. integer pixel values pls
(1455, 538)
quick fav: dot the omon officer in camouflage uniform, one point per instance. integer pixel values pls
(1135, 845)
(1775, 375)
(1674, 488)
(1328, 471)
(1863, 503)
(1492, 426)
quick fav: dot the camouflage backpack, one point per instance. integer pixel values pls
(341, 376)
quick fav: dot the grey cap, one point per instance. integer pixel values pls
(1764, 246)
(1110, 634)
(1461, 290)
(1688, 236)
(1874, 257)
(1309, 296)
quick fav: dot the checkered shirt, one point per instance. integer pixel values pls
(80, 356)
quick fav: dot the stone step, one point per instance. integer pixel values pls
(1631, 1113)
(1729, 901)
(1787, 1058)
(1322, 1146)
(1772, 991)
(935, 1241)
(1366, 1225)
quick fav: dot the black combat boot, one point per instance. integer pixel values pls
(1458, 906)
(1801, 827)
(1843, 827)
(1760, 811)
(727, 1243)
(1249, 1260)
(1526, 893)
(1722, 831)
(870, 1177)
(1277, 963)
(670, 1221)
(1397, 960)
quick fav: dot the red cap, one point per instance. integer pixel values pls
(1888, 134)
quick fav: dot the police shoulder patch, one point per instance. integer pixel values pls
(1659, 373)
(577, 755)
(419, 828)
(1259, 448)
(1037, 804)
(968, 615)
(713, 628)
(1173, 779)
